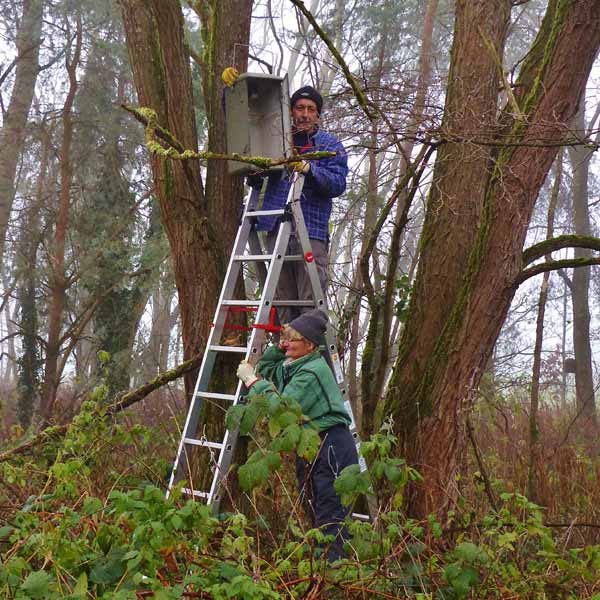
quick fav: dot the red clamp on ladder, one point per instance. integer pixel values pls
(270, 326)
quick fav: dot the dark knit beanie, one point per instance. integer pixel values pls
(311, 325)
(309, 93)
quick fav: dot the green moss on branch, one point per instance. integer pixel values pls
(176, 151)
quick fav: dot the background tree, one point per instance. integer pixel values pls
(476, 221)
(13, 131)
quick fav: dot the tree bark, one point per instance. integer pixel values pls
(580, 157)
(58, 280)
(12, 134)
(200, 222)
(534, 431)
(477, 218)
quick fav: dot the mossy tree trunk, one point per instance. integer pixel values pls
(200, 218)
(476, 221)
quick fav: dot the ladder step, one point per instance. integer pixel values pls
(203, 443)
(238, 349)
(293, 303)
(361, 517)
(274, 303)
(253, 257)
(215, 396)
(240, 303)
(195, 493)
(265, 213)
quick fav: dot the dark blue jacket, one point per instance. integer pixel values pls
(325, 180)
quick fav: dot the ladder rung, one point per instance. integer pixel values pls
(265, 213)
(240, 303)
(215, 396)
(194, 493)
(253, 257)
(239, 349)
(293, 303)
(293, 257)
(361, 517)
(203, 443)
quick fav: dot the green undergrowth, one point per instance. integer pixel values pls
(98, 527)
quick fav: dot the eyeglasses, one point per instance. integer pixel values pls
(287, 340)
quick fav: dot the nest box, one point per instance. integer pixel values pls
(258, 119)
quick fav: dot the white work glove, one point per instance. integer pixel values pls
(247, 374)
(302, 166)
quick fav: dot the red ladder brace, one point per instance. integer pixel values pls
(271, 327)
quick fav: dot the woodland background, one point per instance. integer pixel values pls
(463, 286)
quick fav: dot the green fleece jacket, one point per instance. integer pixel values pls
(308, 380)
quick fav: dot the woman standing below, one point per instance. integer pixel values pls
(295, 368)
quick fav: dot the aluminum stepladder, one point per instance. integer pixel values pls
(291, 220)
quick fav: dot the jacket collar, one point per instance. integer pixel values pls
(293, 365)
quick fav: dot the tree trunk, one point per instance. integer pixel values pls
(58, 280)
(12, 134)
(534, 431)
(200, 224)
(476, 221)
(580, 157)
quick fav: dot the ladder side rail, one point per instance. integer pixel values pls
(254, 352)
(208, 360)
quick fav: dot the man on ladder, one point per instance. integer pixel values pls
(324, 180)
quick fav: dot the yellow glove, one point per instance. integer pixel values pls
(302, 166)
(246, 373)
(230, 76)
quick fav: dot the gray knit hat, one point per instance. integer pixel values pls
(311, 325)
